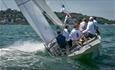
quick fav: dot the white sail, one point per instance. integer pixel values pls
(50, 14)
(36, 19)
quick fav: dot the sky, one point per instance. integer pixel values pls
(100, 8)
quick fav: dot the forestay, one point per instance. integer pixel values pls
(50, 14)
(36, 19)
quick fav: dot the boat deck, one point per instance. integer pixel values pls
(74, 50)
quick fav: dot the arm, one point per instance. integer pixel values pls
(86, 30)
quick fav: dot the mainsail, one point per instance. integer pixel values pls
(36, 19)
(50, 14)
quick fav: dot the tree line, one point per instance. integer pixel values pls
(10, 16)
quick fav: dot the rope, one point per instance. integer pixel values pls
(23, 3)
(4, 4)
(67, 6)
(58, 1)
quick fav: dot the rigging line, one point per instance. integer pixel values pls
(23, 3)
(4, 4)
(40, 8)
(0, 5)
(60, 3)
(67, 6)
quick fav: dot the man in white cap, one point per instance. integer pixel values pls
(90, 31)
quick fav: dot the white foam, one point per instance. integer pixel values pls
(3, 51)
(28, 46)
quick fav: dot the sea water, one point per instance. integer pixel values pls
(22, 49)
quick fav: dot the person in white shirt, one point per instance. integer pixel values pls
(66, 33)
(66, 13)
(83, 25)
(75, 34)
(90, 31)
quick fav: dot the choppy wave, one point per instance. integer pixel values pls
(27, 55)
(21, 49)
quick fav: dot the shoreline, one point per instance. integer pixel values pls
(11, 17)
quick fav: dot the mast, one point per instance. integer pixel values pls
(36, 19)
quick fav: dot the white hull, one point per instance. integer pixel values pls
(90, 47)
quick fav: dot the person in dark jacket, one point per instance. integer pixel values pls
(61, 40)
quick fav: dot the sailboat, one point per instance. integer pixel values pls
(33, 11)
